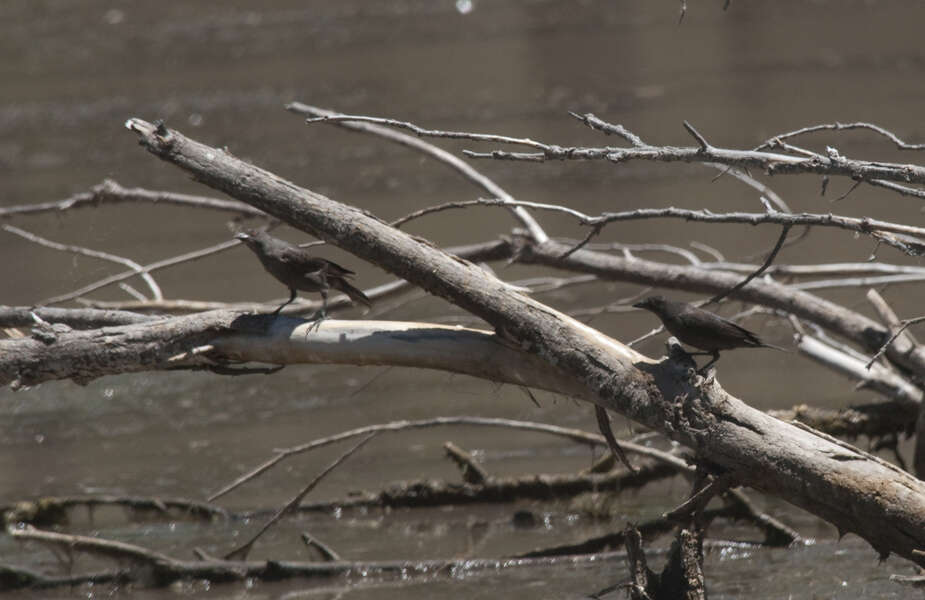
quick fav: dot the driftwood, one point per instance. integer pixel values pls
(154, 568)
(531, 345)
(54, 510)
(851, 489)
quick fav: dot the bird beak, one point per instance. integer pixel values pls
(241, 236)
(639, 305)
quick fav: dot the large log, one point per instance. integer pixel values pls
(853, 490)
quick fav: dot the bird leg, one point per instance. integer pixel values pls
(704, 368)
(292, 294)
(322, 313)
(324, 305)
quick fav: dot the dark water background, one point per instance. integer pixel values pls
(72, 72)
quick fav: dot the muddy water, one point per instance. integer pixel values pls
(221, 71)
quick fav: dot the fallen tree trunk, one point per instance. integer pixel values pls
(854, 491)
(222, 338)
(851, 489)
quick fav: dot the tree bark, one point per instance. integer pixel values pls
(851, 489)
(854, 326)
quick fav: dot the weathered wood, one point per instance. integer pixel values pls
(58, 352)
(849, 488)
(852, 325)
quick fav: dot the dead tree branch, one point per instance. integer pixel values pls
(863, 331)
(110, 192)
(808, 469)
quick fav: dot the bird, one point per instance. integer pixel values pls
(298, 270)
(702, 329)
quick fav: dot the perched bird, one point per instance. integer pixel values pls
(702, 329)
(298, 270)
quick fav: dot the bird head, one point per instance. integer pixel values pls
(653, 303)
(250, 237)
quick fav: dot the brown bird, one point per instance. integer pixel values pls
(298, 270)
(702, 329)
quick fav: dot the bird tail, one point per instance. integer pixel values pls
(355, 294)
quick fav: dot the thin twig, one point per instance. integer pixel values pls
(704, 145)
(795, 160)
(485, 251)
(699, 498)
(900, 144)
(536, 231)
(902, 190)
(750, 181)
(242, 551)
(472, 472)
(603, 422)
(595, 231)
(853, 187)
(607, 128)
(397, 223)
(576, 435)
(905, 323)
(168, 262)
(911, 240)
(110, 192)
(136, 268)
(420, 131)
(327, 553)
(50, 508)
(92, 545)
(767, 263)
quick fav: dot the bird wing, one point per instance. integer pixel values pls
(292, 255)
(709, 331)
(734, 328)
(334, 269)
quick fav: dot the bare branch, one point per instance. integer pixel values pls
(704, 145)
(52, 509)
(110, 192)
(472, 472)
(843, 127)
(168, 262)
(577, 435)
(464, 168)
(870, 376)
(478, 252)
(420, 131)
(138, 269)
(608, 373)
(900, 189)
(886, 313)
(770, 162)
(603, 422)
(78, 318)
(767, 263)
(92, 545)
(747, 179)
(241, 552)
(606, 128)
(911, 239)
(858, 328)
(773, 163)
(905, 323)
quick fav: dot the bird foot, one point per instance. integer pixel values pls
(705, 376)
(703, 371)
(317, 318)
